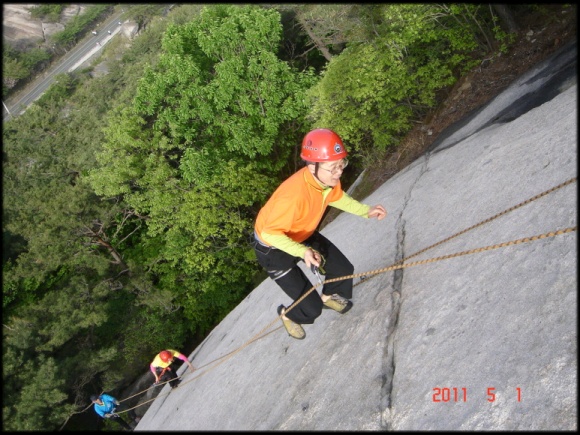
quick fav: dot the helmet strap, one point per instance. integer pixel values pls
(316, 174)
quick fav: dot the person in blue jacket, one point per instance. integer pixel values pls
(105, 406)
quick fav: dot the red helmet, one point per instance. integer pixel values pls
(165, 355)
(322, 145)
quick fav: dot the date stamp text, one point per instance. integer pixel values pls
(459, 394)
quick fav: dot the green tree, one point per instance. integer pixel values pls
(35, 58)
(65, 282)
(331, 26)
(372, 92)
(61, 285)
(39, 403)
(13, 68)
(211, 123)
(47, 12)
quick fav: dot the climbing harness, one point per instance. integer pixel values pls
(369, 274)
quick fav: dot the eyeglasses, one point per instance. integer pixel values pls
(338, 167)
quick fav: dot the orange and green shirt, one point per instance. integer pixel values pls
(295, 209)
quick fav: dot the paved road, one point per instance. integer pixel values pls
(72, 60)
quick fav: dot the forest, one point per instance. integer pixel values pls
(129, 197)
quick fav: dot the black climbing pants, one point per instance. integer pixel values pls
(283, 268)
(169, 375)
(117, 419)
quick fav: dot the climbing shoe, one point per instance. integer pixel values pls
(338, 303)
(294, 329)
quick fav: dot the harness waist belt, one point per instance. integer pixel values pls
(261, 242)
